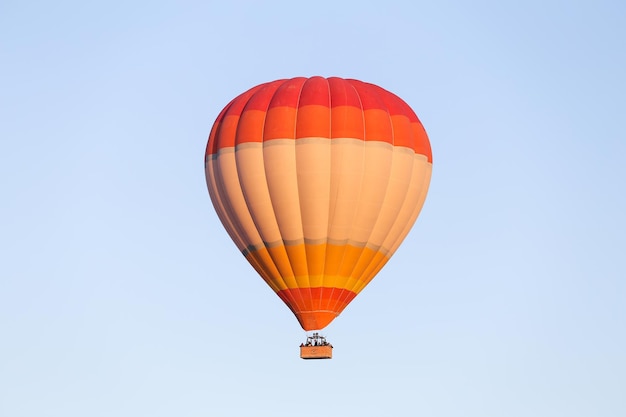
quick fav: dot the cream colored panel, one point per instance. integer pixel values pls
(313, 173)
(251, 170)
(378, 156)
(282, 181)
(411, 208)
(397, 188)
(347, 160)
(220, 206)
(235, 207)
(422, 181)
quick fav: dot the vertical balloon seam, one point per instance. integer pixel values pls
(401, 111)
(290, 291)
(366, 256)
(221, 202)
(347, 293)
(214, 192)
(417, 145)
(307, 289)
(236, 149)
(330, 115)
(297, 302)
(373, 269)
(366, 276)
(419, 204)
(223, 197)
(374, 265)
(340, 302)
(236, 225)
(220, 190)
(210, 178)
(418, 208)
(334, 300)
(251, 252)
(405, 110)
(300, 202)
(300, 306)
(210, 169)
(227, 206)
(232, 232)
(279, 276)
(367, 242)
(380, 248)
(301, 294)
(411, 221)
(372, 272)
(330, 221)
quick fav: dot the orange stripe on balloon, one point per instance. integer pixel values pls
(346, 98)
(377, 126)
(222, 134)
(316, 257)
(250, 127)
(350, 256)
(422, 144)
(333, 257)
(402, 131)
(363, 262)
(297, 260)
(313, 121)
(280, 123)
(347, 122)
(226, 133)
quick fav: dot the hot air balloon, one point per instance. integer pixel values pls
(317, 181)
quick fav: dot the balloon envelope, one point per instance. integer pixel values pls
(317, 181)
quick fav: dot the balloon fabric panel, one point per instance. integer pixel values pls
(317, 181)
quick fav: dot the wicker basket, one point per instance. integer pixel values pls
(316, 352)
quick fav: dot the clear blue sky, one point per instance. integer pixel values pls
(121, 295)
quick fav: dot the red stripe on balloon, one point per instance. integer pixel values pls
(338, 298)
(369, 102)
(316, 314)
